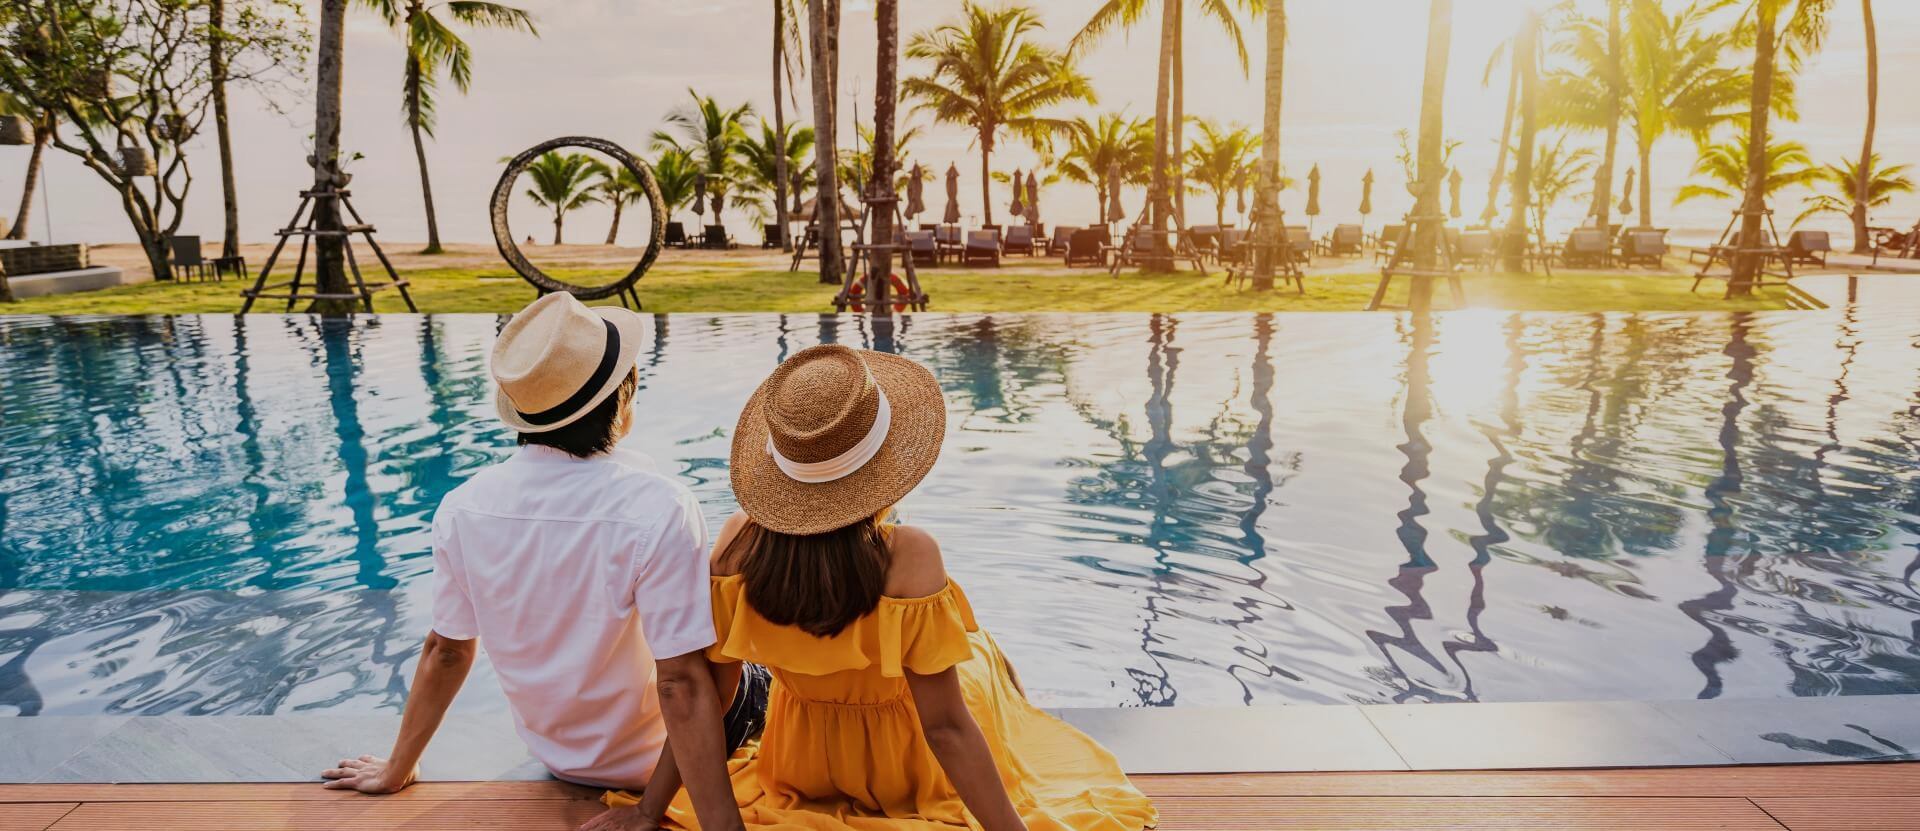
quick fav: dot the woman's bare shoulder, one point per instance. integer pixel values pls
(915, 568)
(715, 564)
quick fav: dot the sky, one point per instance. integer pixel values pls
(614, 68)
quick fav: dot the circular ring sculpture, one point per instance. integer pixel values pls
(503, 235)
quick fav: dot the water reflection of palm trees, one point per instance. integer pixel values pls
(1417, 407)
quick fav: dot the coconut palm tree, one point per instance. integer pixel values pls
(856, 163)
(1726, 167)
(329, 250)
(823, 33)
(1797, 28)
(1556, 171)
(1171, 124)
(711, 135)
(1095, 148)
(774, 154)
(789, 52)
(563, 182)
(1526, 63)
(1863, 186)
(434, 50)
(1219, 159)
(675, 173)
(1843, 181)
(1266, 209)
(618, 188)
(987, 74)
(42, 136)
(1433, 148)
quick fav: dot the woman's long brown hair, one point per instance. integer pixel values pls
(820, 583)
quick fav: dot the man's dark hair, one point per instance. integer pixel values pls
(592, 434)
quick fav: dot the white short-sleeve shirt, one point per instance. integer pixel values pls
(575, 574)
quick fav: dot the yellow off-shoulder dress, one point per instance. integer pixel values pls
(843, 750)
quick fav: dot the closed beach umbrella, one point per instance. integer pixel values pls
(953, 195)
(1626, 198)
(1033, 199)
(1114, 209)
(1313, 191)
(1018, 208)
(1240, 192)
(699, 194)
(1453, 193)
(916, 192)
(1366, 195)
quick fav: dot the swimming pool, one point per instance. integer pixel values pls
(205, 515)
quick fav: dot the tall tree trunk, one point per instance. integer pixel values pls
(986, 174)
(613, 231)
(824, 37)
(1616, 88)
(329, 263)
(1862, 188)
(229, 187)
(780, 173)
(1506, 143)
(1162, 125)
(1526, 65)
(1646, 182)
(43, 133)
(559, 227)
(1100, 193)
(880, 182)
(1178, 150)
(1430, 233)
(1266, 196)
(1747, 260)
(420, 153)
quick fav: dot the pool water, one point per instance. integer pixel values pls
(222, 515)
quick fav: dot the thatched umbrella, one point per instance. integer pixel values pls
(953, 195)
(1018, 208)
(1033, 199)
(1114, 209)
(1453, 193)
(1626, 199)
(1366, 196)
(916, 192)
(699, 194)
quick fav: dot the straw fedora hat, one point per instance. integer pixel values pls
(834, 436)
(557, 360)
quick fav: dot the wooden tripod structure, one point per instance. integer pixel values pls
(876, 287)
(363, 290)
(1727, 252)
(1279, 251)
(1405, 263)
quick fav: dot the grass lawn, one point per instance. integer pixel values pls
(697, 288)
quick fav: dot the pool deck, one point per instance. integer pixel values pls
(1855, 797)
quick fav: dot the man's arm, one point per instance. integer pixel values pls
(444, 663)
(697, 736)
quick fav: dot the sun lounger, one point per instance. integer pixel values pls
(1388, 242)
(1810, 247)
(1474, 249)
(1643, 246)
(1585, 247)
(770, 236)
(1019, 238)
(1345, 241)
(1206, 239)
(676, 235)
(1087, 246)
(1300, 238)
(716, 237)
(1062, 240)
(948, 242)
(1232, 248)
(983, 246)
(923, 248)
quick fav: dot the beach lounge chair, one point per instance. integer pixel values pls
(1643, 246)
(1300, 238)
(676, 235)
(1474, 249)
(1345, 241)
(1020, 239)
(187, 259)
(770, 235)
(1231, 249)
(716, 237)
(1387, 243)
(1206, 239)
(983, 246)
(923, 248)
(1062, 238)
(1810, 247)
(948, 242)
(1087, 246)
(1585, 248)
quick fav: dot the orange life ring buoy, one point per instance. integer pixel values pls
(859, 290)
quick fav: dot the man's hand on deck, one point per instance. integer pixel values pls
(369, 774)
(629, 818)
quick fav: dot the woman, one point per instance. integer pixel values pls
(890, 708)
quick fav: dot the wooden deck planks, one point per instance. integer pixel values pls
(1882, 814)
(1426, 813)
(290, 792)
(33, 816)
(1841, 780)
(413, 815)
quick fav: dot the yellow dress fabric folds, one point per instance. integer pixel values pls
(843, 750)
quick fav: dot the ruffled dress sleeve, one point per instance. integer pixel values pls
(727, 602)
(924, 635)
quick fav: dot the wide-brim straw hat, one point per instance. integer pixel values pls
(834, 436)
(557, 360)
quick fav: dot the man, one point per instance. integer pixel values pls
(586, 575)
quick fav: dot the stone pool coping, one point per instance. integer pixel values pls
(482, 746)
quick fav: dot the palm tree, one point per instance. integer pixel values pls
(788, 61)
(329, 250)
(1433, 147)
(1170, 124)
(675, 173)
(823, 18)
(561, 183)
(1219, 159)
(1526, 66)
(1727, 166)
(217, 70)
(42, 136)
(856, 163)
(1267, 196)
(1556, 172)
(1796, 27)
(1095, 148)
(988, 75)
(434, 49)
(770, 157)
(619, 188)
(1863, 186)
(1883, 183)
(711, 135)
